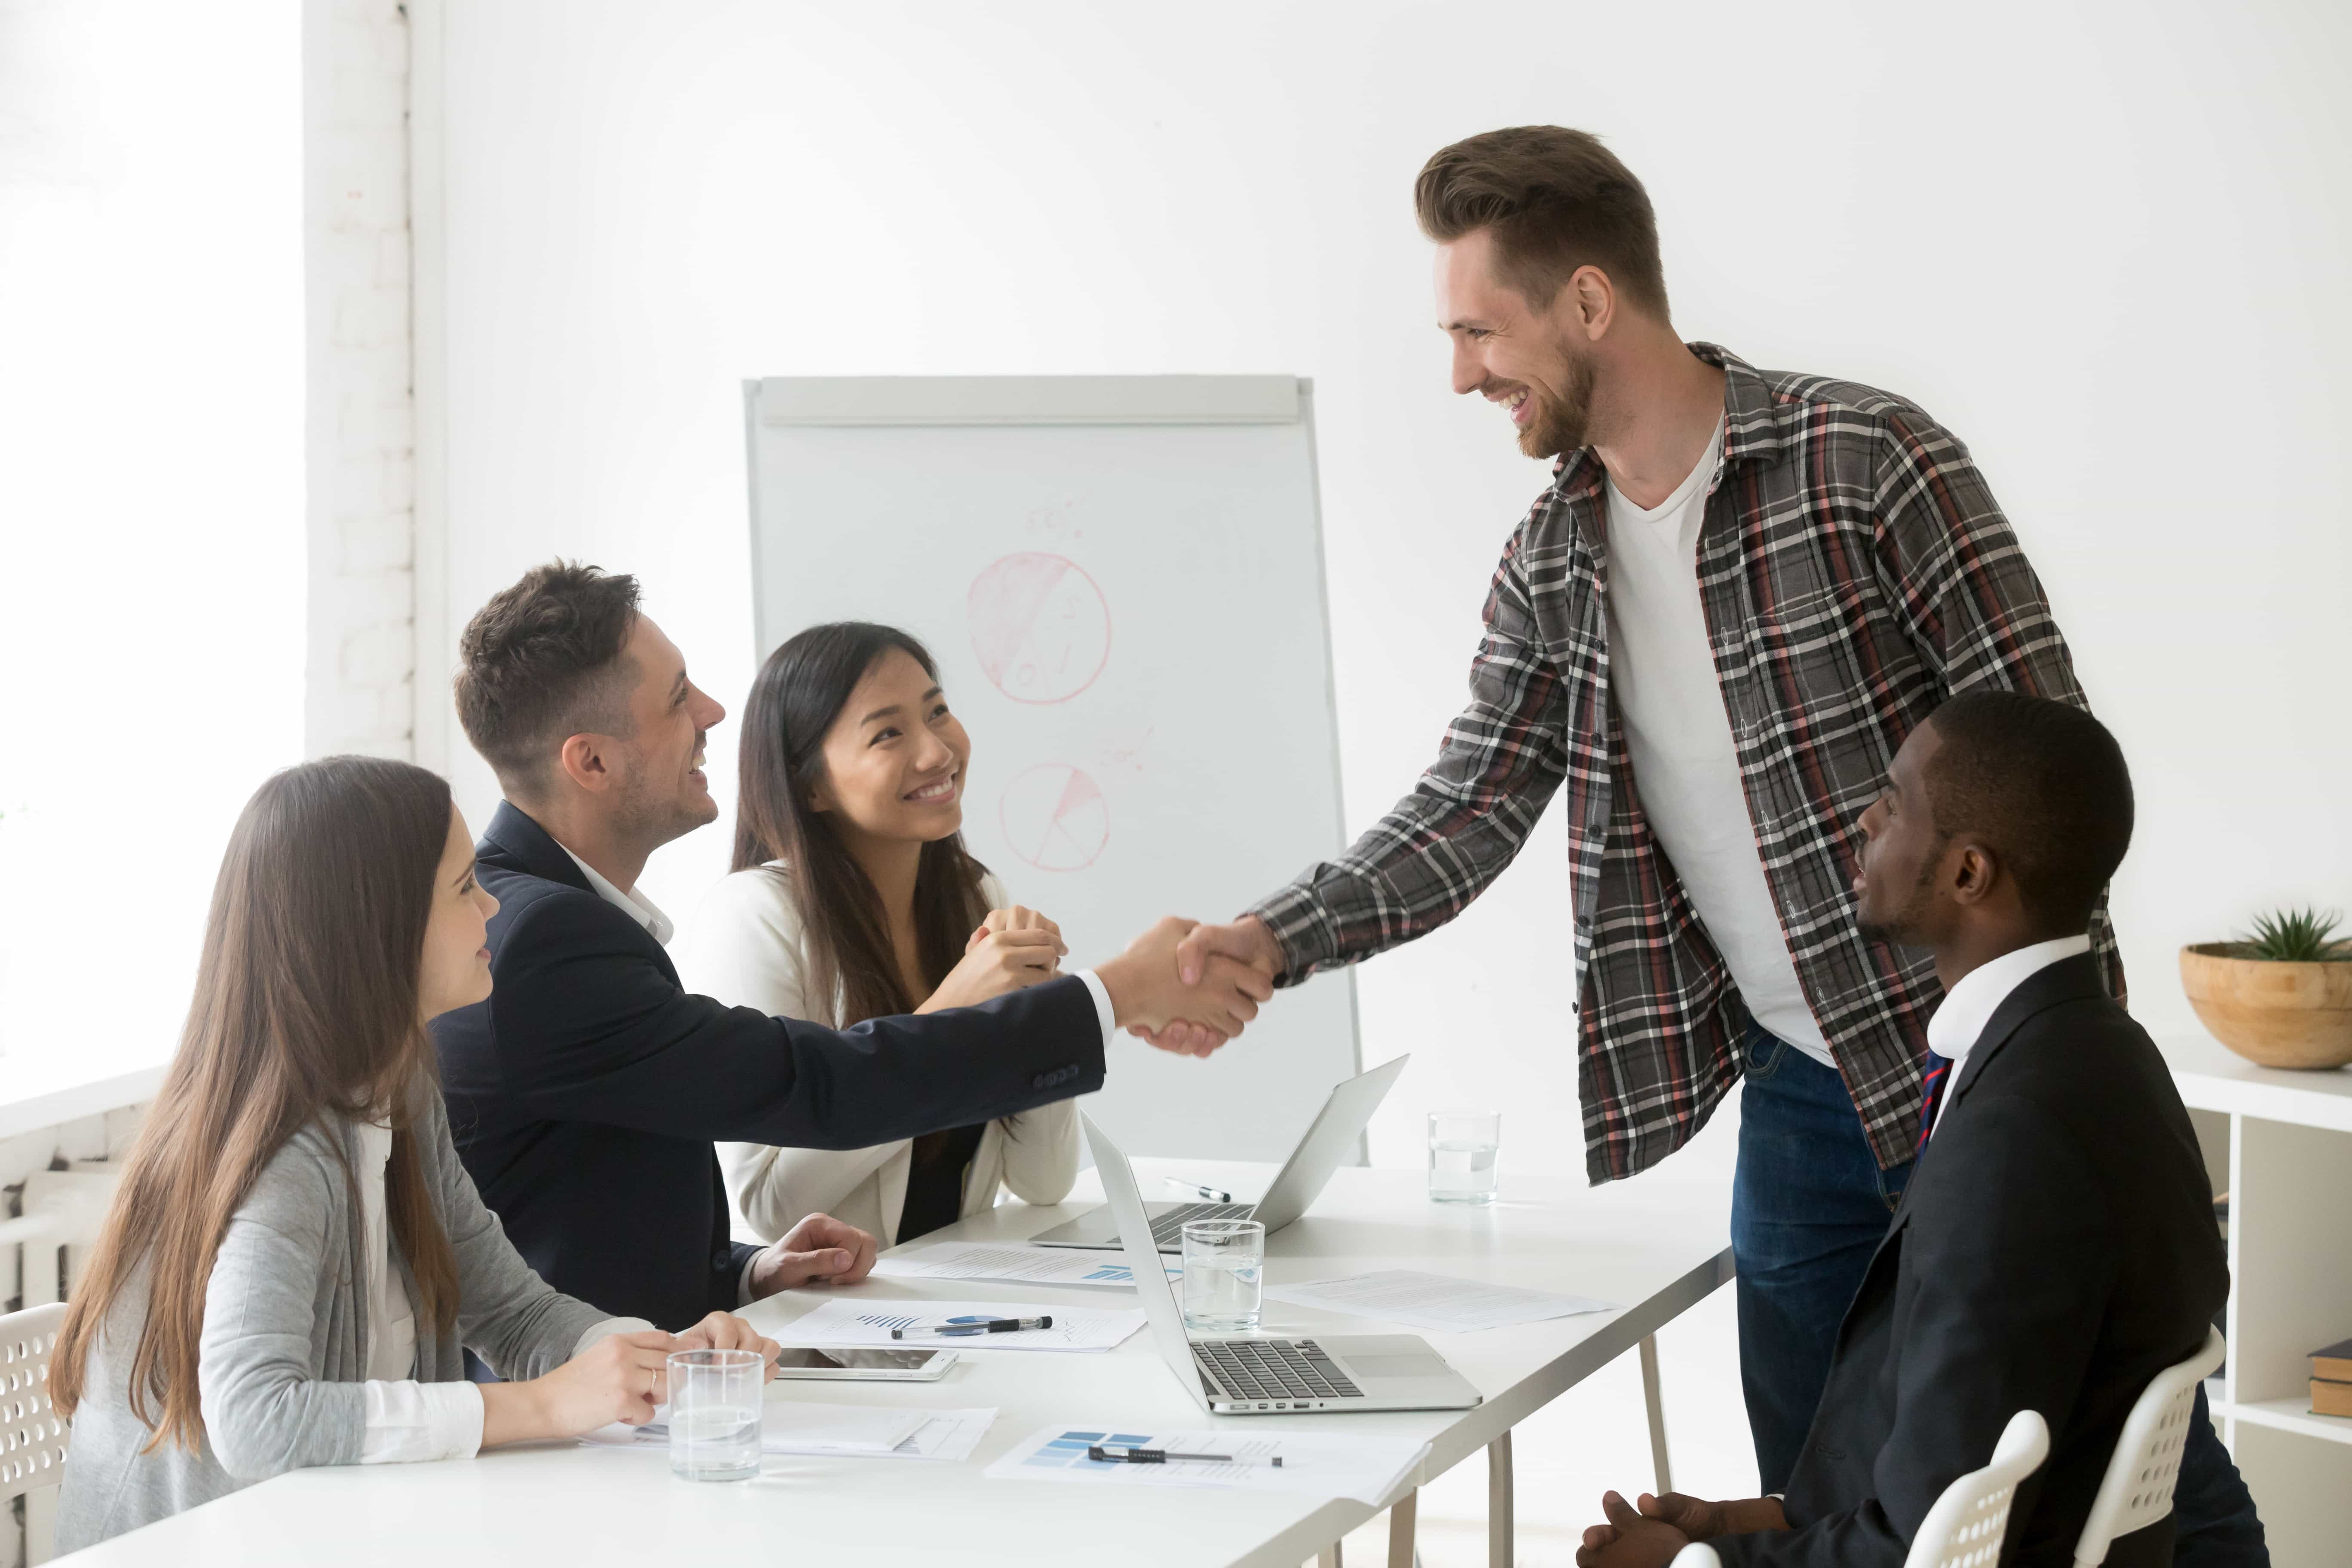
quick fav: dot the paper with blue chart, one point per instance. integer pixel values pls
(849, 1321)
(1314, 1463)
(997, 1260)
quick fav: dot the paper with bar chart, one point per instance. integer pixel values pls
(1321, 1464)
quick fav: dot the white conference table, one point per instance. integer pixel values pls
(1658, 1245)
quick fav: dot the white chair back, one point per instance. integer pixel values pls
(32, 1433)
(2137, 1488)
(1965, 1528)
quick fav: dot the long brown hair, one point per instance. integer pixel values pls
(852, 968)
(306, 1007)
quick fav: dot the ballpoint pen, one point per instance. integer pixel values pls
(977, 1326)
(1210, 1193)
(1112, 1454)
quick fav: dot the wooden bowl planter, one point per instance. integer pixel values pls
(2276, 1014)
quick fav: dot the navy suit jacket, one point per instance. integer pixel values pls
(2055, 1250)
(584, 1094)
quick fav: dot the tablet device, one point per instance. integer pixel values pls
(864, 1365)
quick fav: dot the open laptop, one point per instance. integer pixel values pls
(1331, 1143)
(1255, 1375)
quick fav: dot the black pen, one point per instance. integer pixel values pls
(980, 1326)
(1111, 1454)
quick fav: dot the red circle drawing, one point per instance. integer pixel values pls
(1054, 817)
(1039, 626)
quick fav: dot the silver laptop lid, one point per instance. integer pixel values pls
(1329, 1143)
(1160, 1303)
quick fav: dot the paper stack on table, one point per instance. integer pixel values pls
(1314, 1463)
(1435, 1302)
(1000, 1260)
(846, 1321)
(796, 1426)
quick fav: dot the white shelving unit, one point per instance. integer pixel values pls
(2280, 1143)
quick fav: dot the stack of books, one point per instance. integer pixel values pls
(2331, 1379)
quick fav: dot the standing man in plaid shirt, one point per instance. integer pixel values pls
(1714, 629)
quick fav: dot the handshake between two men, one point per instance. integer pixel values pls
(1183, 986)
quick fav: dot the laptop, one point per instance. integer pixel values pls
(1331, 1143)
(1258, 1375)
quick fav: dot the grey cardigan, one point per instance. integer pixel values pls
(284, 1350)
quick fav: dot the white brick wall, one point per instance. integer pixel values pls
(361, 442)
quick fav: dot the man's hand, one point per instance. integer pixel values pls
(1146, 993)
(820, 1250)
(1246, 941)
(1630, 1539)
(1703, 1521)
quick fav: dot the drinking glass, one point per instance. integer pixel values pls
(1224, 1272)
(714, 1414)
(1461, 1149)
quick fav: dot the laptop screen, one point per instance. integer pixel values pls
(1160, 1303)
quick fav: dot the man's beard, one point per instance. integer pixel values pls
(1900, 930)
(1562, 426)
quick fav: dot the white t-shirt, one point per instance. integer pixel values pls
(1685, 768)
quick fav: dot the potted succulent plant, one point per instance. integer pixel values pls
(2282, 996)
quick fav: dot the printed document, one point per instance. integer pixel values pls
(1317, 1464)
(999, 1260)
(947, 1434)
(849, 1321)
(797, 1426)
(1437, 1301)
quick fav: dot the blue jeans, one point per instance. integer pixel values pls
(1809, 1207)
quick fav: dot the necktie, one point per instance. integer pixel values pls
(1932, 1089)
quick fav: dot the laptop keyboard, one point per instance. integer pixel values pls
(1274, 1369)
(1168, 1230)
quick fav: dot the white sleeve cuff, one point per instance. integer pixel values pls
(1104, 1013)
(609, 1326)
(407, 1422)
(744, 1281)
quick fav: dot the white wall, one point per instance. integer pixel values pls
(150, 500)
(359, 687)
(2104, 243)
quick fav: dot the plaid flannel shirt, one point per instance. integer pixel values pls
(1854, 572)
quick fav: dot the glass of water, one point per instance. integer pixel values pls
(714, 1414)
(1462, 1148)
(1224, 1272)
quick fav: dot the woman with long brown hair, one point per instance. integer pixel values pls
(851, 897)
(296, 1257)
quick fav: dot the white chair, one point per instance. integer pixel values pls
(32, 1433)
(1965, 1528)
(2137, 1488)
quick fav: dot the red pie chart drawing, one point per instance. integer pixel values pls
(1054, 817)
(1039, 626)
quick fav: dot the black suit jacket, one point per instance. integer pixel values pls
(585, 1093)
(2054, 1251)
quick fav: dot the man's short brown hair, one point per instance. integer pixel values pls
(542, 661)
(1554, 200)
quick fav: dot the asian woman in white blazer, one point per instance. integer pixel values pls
(852, 896)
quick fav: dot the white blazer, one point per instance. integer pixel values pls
(744, 946)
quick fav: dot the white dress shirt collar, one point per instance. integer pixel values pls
(1970, 1005)
(637, 906)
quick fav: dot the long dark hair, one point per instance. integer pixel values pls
(307, 1005)
(851, 967)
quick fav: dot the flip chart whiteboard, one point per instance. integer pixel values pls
(1121, 578)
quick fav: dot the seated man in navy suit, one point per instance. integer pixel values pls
(586, 1094)
(2055, 1248)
